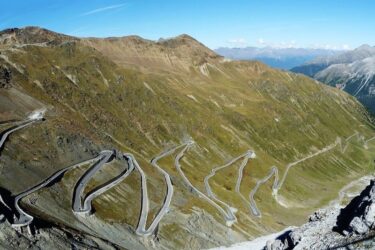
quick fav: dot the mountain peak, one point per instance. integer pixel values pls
(173, 54)
(365, 47)
(186, 38)
(182, 40)
(182, 37)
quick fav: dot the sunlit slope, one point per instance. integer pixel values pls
(177, 55)
(96, 101)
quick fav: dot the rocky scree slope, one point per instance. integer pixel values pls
(350, 227)
(144, 97)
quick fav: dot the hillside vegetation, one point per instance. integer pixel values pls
(144, 97)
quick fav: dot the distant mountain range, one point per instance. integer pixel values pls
(352, 71)
(282, 58)
(149, 100)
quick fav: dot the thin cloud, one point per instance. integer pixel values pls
(110, 7)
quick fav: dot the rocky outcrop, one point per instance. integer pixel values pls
(358, 217)
(352, 227)
(5, 77)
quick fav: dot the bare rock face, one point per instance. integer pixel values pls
(358, 226)
(276, 245)
(369, 216)
(295, 238)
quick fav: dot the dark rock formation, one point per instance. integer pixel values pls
(5, 77)
(358, 216)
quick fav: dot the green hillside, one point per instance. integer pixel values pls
(144, 97)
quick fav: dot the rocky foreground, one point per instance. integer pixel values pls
(351, 227)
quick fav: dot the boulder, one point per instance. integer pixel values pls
(275, 245)
(295, 237)
(369, 216)
(358, 226)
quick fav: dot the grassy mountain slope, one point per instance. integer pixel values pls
(144, 97)
(175, 55)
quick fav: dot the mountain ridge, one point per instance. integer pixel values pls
(31, 34)
(97, 99)
(168, 54)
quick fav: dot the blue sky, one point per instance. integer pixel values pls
(230, 23)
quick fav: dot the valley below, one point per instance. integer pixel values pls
(128, 143)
